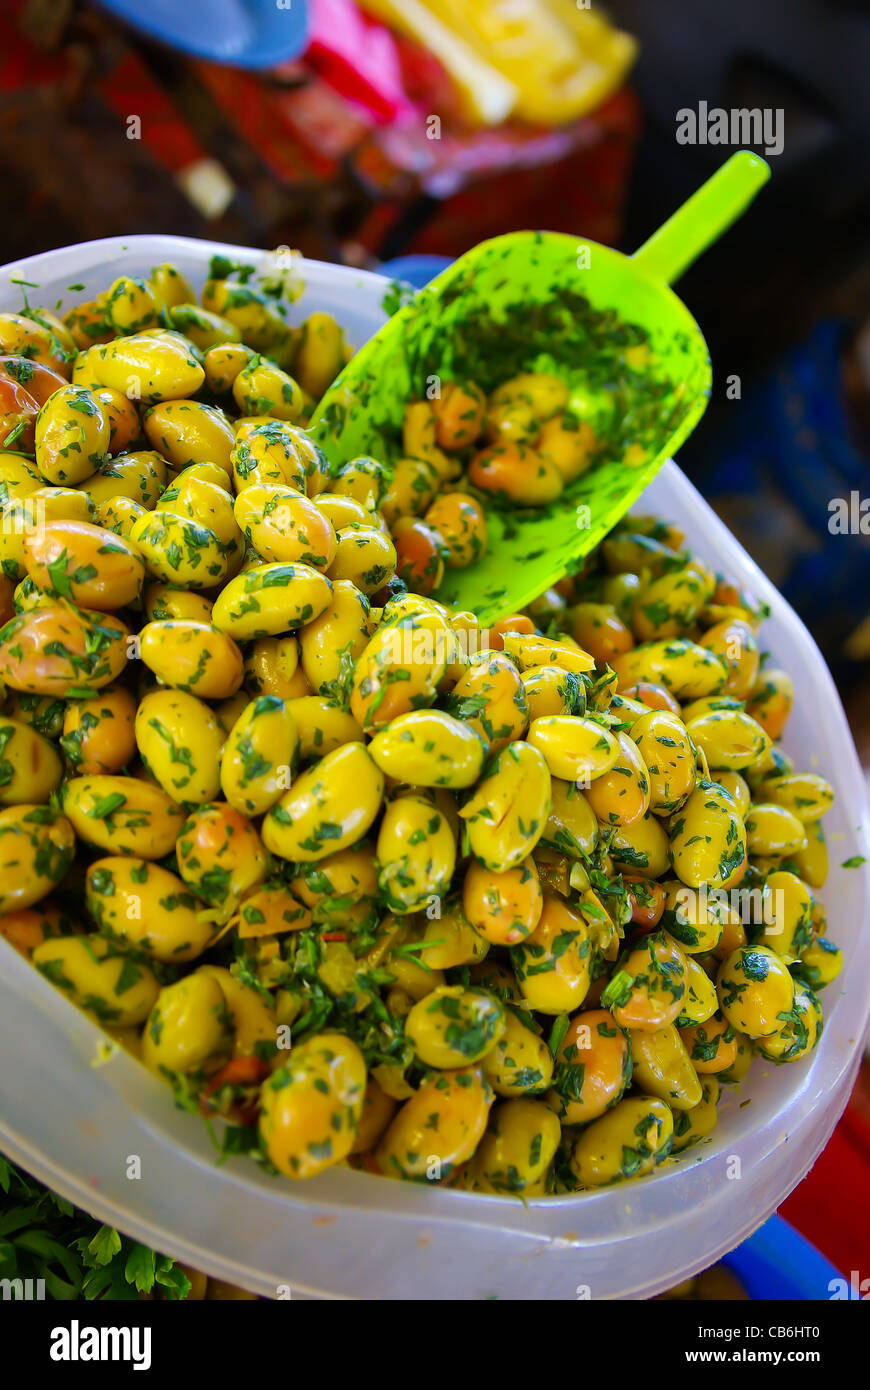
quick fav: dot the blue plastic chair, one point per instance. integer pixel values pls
(241, 33)
(778, 1263)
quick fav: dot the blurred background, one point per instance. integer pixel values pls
(412, 129)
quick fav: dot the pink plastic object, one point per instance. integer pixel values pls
(359, 58)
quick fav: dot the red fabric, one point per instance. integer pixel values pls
(830, 1206)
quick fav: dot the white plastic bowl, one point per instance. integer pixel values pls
(76, 1122)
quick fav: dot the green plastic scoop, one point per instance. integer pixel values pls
(633, 357)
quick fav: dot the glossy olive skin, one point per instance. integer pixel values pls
(627, 1142)
(62, 651)
(429, 748)
(515, 798)
(327, 808)
(311, 1106)
(146, 906)
(754, 989)
(99, 977)
(415, 1146)
(455, 1026)
(188, 1029)
(36, 850)
(593, 1068)
(122, 815)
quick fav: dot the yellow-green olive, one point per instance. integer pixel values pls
(528, 650)
(44, 713)
(429, 748)
(282, 525)
(627, 1142)
(179, 550)
(811, 862)
(268, 453)
(593, 1068)
(737, 789)
(187, 432)
(62, 650)
(574, 746)
(142, 366)
(454, 1026)
(140, 477)
(72, 436)
(322, 726)
(621, 795)
(329, 807)
(163, 603)
(192, 656)
(132, 305)
(770, 701)
(667, 753)
(552, 691)
(728, 739)
(506, 813)
(669, 605)
(30, 768)
(689, 671)
(661, 1067)
(271, 599)
(36, 849)
(259, 756)
(518, 1147)
(642, 847)
(798, 1032)
(147, 906)
(520, 1063)
(773, 831)
(400, 668)
(700, 1000)
(312, 1104)
(708, 842)
(262, 388)
(365, 556)
(180, 742)
(491, 697)
(692, 1126)
(253, 1022)
(805, 794)
(553, 964)
(416, 854)
(790, 930)
(755, 989)
(696, 918)
(821, 962)
(438, 1128)
(320, 353)
(99, 977)
(188, 1029)
(571, 826)
(331, 645)
(124, 815)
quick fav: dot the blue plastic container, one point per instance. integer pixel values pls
(778, 1263)
(241, 33)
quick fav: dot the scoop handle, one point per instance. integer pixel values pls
(702, 218)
